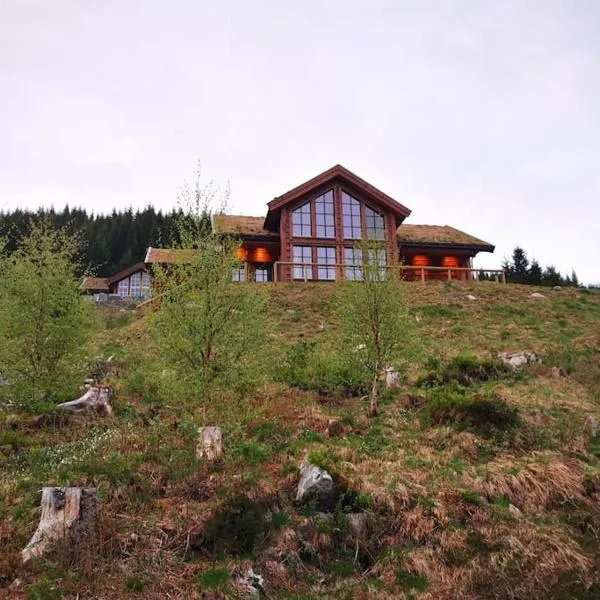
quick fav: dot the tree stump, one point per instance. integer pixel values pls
(391, 377)
(210, 445)
(94, 400)
(67, 513)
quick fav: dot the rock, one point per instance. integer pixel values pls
(557, 373)
(391, 378)
(210, 444)
(252, 583)
(537, 295)
(591, 426)
(335, 428)
(514, 511)
(314, 483)
(360, 347)
(321, 326)
(557, 288)
(471, 297)
(411, 401)
(67, 514)
(518, 359)
(360, 524)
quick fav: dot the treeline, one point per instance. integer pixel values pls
(111, 242)
(520, 270)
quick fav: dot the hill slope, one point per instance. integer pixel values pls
(473, 482)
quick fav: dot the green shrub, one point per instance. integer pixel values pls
(135, 584)
(464, 369)
(485, 415)
(327, 375)
(213, 579)
(411, 581)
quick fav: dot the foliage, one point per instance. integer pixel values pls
(373, 319)
(329, 375)
(464, 369)
(43, 317)
(208, 329)
(520, 270)
(486, 415)
(113, 241)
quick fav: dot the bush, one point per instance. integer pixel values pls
(327, 375)
(485, 415)
(464, 369)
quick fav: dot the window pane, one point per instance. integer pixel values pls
(351, 213)
(378, 258)
(239, 274)
(301, 226)
(353, 263)
(325, 215)
(375, 224)
(136, 284)
(326, 256)
(302, 255)
(123, 288)
(145, 284)
(263, 274)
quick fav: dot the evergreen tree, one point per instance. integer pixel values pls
(519, 267)
(534, 277)
(574, 279)
(551, 276)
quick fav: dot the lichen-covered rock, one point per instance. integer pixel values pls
(517, 360)
(315, 483)
(537, 296)
(252, 583)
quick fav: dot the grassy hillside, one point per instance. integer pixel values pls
(475, 482)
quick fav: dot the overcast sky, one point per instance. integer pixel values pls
(481, 114)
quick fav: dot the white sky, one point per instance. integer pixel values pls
(481, 114)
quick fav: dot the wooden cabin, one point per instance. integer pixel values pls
(314, 232)
(133, 282)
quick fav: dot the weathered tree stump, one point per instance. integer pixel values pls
(67, 514)
(210, 444)
(96, 399)
(391, 378)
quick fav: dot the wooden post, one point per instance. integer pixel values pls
(304, 271)
(449, 275)
(504, 277)
(422, 275)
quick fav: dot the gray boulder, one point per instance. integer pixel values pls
(314, 483)
(517, 360)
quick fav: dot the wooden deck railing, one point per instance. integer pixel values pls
(407, 272)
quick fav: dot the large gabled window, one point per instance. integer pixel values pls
(301, 221)
(375, 224)
(352, 221)
(325, 214)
